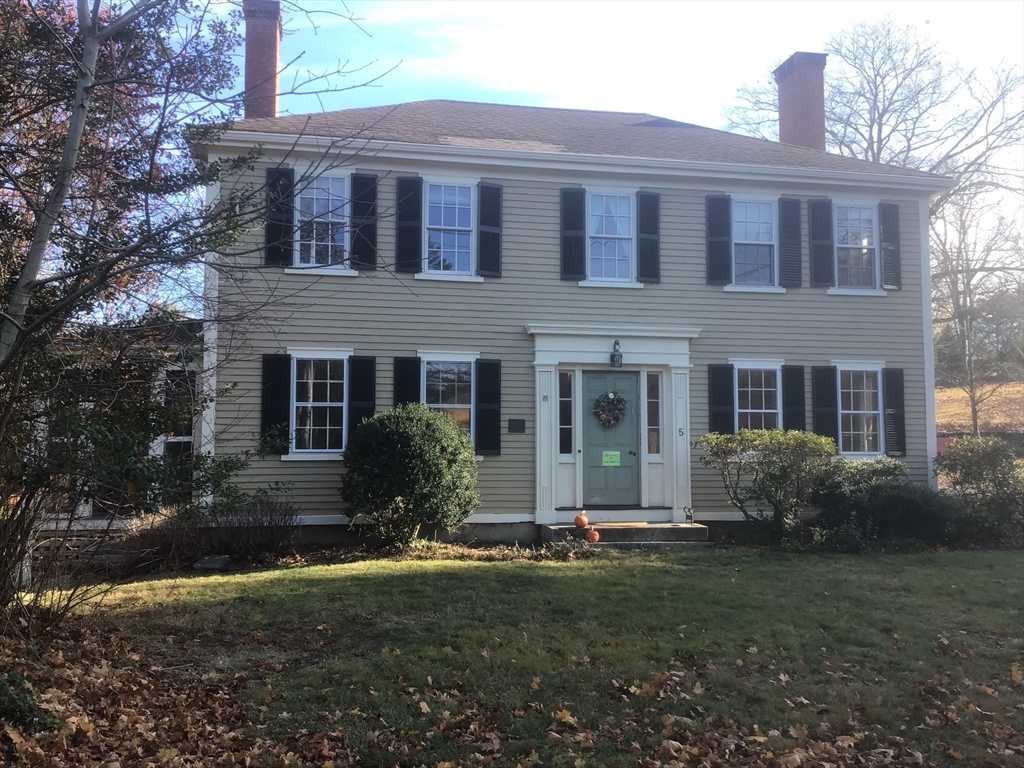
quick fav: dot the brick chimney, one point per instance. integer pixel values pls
(801, 81)
(262, 46)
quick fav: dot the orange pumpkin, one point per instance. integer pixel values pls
(581, 520)
(593, 536)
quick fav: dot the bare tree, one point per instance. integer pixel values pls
(977, 250)
(101, 204)
(891, 97)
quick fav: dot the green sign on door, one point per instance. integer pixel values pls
(611, 459)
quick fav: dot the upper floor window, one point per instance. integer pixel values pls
(856, 252)
(322, 212)
(855, 246)
(449, 235)
(753, 235)
(611, 237)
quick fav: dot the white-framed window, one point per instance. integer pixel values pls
(856, 239)
(319, 400)
(450, 220)
(758, 395)
(755, 246)
(859, 387)
(448, 385)
(322, 213)
(653, 405)
(611, 236)
(566, 384)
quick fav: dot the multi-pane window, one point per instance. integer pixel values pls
(565, 386)
(449, 388)
(855, 247)
(611, 237)
(653, 413)
(449, 228)
(322, 213)
(859, 412)
(753, 234)
(319, 405)
(757, 398)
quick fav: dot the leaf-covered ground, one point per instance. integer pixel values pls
(695, 658)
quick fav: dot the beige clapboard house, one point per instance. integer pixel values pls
(510, 265)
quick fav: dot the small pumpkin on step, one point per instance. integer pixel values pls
(593, 536)
(581, 520)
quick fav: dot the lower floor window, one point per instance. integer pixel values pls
(859, 412)
(757, 398)
(319, 416)
(449, 388)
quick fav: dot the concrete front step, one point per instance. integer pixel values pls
(632, 533)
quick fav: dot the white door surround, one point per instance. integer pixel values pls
(589, 346)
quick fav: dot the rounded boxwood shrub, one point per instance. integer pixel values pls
(875, 496)
(406, 469)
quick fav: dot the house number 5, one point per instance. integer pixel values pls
(680, 431)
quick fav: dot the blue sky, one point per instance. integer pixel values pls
(683, 60)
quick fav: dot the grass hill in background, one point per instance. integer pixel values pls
(1003, 412)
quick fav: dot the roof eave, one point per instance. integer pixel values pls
(915, 181)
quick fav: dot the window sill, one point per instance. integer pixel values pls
(313, 456)
(608, 284)
(856, 292)
(753, 288)
(328, 271)
(448, 278)
(851, 455)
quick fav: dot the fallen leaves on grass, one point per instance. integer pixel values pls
(119, 711)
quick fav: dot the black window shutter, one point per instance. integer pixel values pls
(825, 401)
(276, 404)
(791, 244)
(719, 233)
(574, 234)
(794, 415)
(364, 221)
(823, 264)
(721, 408)
(409, 222)
(489, 230)
(279, 234)
(488, 407)
(648, 230)
(895, 412)
(362, 391)
(889, 234)
(407, 380)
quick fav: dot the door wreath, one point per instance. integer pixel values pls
(610, 409)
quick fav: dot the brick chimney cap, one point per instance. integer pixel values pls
(799, 60)
(262, 9)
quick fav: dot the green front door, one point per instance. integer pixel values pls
(611, 455)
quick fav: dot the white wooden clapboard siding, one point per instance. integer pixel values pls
(387, 315)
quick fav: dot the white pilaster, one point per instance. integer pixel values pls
(679, 393)
(547, 443)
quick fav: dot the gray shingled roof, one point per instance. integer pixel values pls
(571, 131)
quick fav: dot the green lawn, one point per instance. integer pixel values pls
(598, 662)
